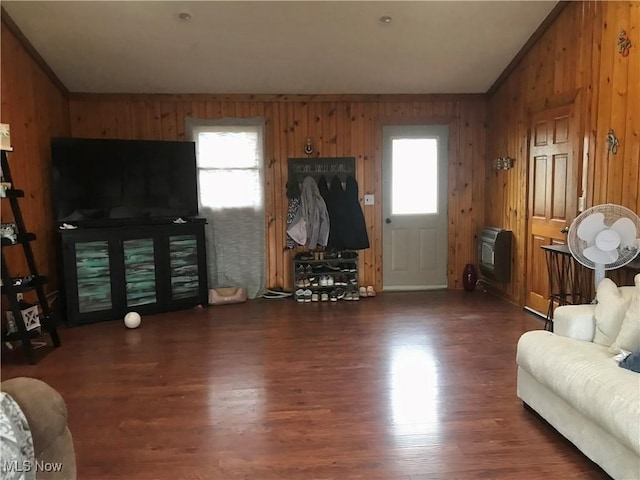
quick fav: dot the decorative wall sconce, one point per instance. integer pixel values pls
(624, 44)
(308, 147)
(503, 163)
(612, 142)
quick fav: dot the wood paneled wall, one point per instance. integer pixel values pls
(339, 126)
(575, 60)
(36, 110)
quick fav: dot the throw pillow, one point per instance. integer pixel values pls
(609, 313)
(629, 336)
(632, 362)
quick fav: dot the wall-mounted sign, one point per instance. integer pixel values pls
(299, 168)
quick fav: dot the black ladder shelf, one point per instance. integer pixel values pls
(13, 286)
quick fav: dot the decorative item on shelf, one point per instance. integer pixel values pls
(5, 137)
(503, 163)
(469, 277)
(308, 147)
(624, 44)
(9, 231)
(612, 142)
(29, 316)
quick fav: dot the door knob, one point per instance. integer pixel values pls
(388, 220)
(564, 230)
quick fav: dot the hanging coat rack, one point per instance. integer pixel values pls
(300, 168)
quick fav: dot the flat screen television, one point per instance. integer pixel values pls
(107, 181)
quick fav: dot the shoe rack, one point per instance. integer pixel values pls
(325, 277)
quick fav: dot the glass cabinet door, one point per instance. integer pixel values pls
(139, 271)
(94, 279)
(183, 253)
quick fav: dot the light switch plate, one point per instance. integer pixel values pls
(369, 200)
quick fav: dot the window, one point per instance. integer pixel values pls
(414, 176)
(230, 163)
(229, 166)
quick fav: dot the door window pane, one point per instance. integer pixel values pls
(414, 176)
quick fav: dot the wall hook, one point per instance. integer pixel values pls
(624, 44)
(308, 147)
(612, 142)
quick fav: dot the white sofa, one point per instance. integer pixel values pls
(572, 380)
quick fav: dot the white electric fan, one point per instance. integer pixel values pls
(604, 237)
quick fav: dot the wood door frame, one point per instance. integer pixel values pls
(439, 130)
(394, 120)
(579, 154)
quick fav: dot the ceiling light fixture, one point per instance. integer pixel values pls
(385, 19)
(184, 16)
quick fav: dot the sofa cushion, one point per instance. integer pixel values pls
(43, 407)
(575, 321)
(612, 305)
(628, 338)
(587, 377)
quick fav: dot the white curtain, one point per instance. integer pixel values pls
(230, 157)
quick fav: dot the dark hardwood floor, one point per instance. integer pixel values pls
(416, 386)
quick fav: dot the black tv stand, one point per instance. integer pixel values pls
(143, 267)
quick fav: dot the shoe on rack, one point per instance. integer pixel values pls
(330, 281)
(348, 297)
(315, 297)
(335, 268)
(313, 282)
(277, 293)
(307, 295)
(300, 282)
(299, 295)
(340, 293)
(323, 280)
(324, 297)
(333, 296)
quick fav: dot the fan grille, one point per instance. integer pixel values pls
(611, 213)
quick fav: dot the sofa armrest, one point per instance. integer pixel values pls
(575, 321)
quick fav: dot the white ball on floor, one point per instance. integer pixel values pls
(132, 320)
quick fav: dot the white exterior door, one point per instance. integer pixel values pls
(414, 207)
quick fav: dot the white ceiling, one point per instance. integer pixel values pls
(291, 47)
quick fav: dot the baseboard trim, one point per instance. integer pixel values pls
(414, 288)
(536, 313)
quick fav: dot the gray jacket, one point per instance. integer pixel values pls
(314, 213)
